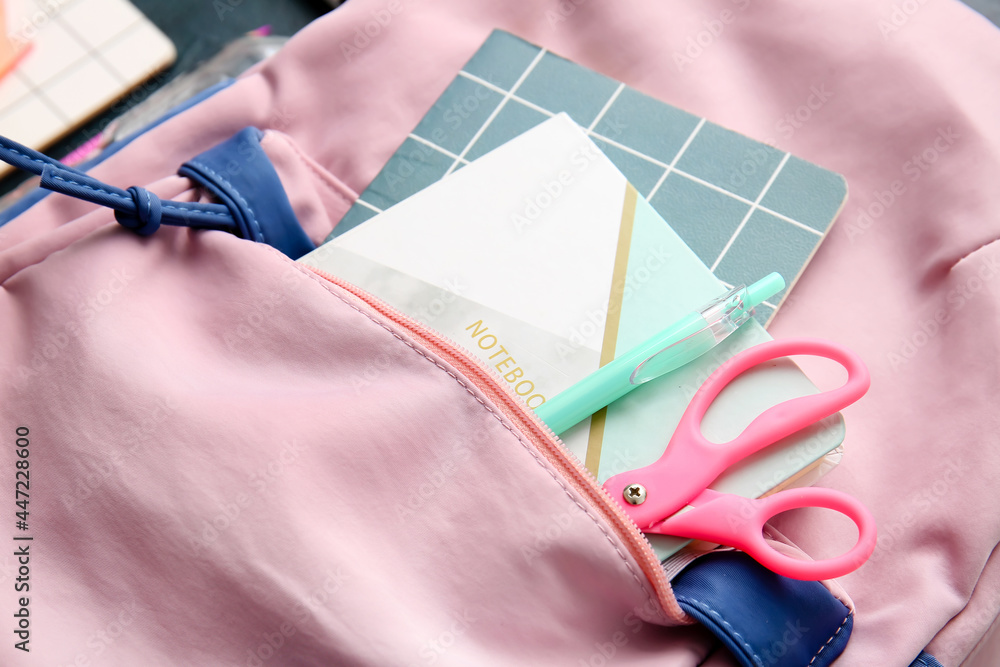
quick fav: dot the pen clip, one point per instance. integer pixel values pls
(722, 315)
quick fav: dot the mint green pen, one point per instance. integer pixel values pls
(682, 342)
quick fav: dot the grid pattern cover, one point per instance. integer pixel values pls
(84, 55)
(745, 208)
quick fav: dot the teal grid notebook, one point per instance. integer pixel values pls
(744, 208)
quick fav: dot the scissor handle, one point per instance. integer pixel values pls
(691, 462)
(739, 522)
(785, 418)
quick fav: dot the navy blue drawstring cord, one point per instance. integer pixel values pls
(137, 208)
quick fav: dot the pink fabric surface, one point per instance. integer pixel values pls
(911, 121)
(259, 470)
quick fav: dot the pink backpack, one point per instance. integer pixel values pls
(229, 459)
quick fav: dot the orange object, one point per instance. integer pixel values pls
(11, 51)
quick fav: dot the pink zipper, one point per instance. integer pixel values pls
(539, 433)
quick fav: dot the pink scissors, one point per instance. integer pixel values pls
(654, 496)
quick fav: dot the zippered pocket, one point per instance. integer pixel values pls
(537, 432)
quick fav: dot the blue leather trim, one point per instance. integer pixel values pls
(38, 194)
(764, 619)
(135, 208)
(925, 659)
(239, 173)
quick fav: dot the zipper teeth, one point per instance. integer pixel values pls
(542, 436)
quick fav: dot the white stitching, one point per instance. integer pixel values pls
(496, 416)
(705, 607)
(253, 217)
(115, 194)
(823, 647)
(89, 187)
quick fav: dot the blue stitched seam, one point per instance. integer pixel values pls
(25, 155)
(253, 217)
(706, 608)
(823, 647)
(200, 211)
(90, 187)
(183, 209)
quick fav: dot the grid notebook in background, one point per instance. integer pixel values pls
(84, 55)
(743, 207)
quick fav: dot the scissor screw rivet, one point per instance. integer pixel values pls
(635, 494)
